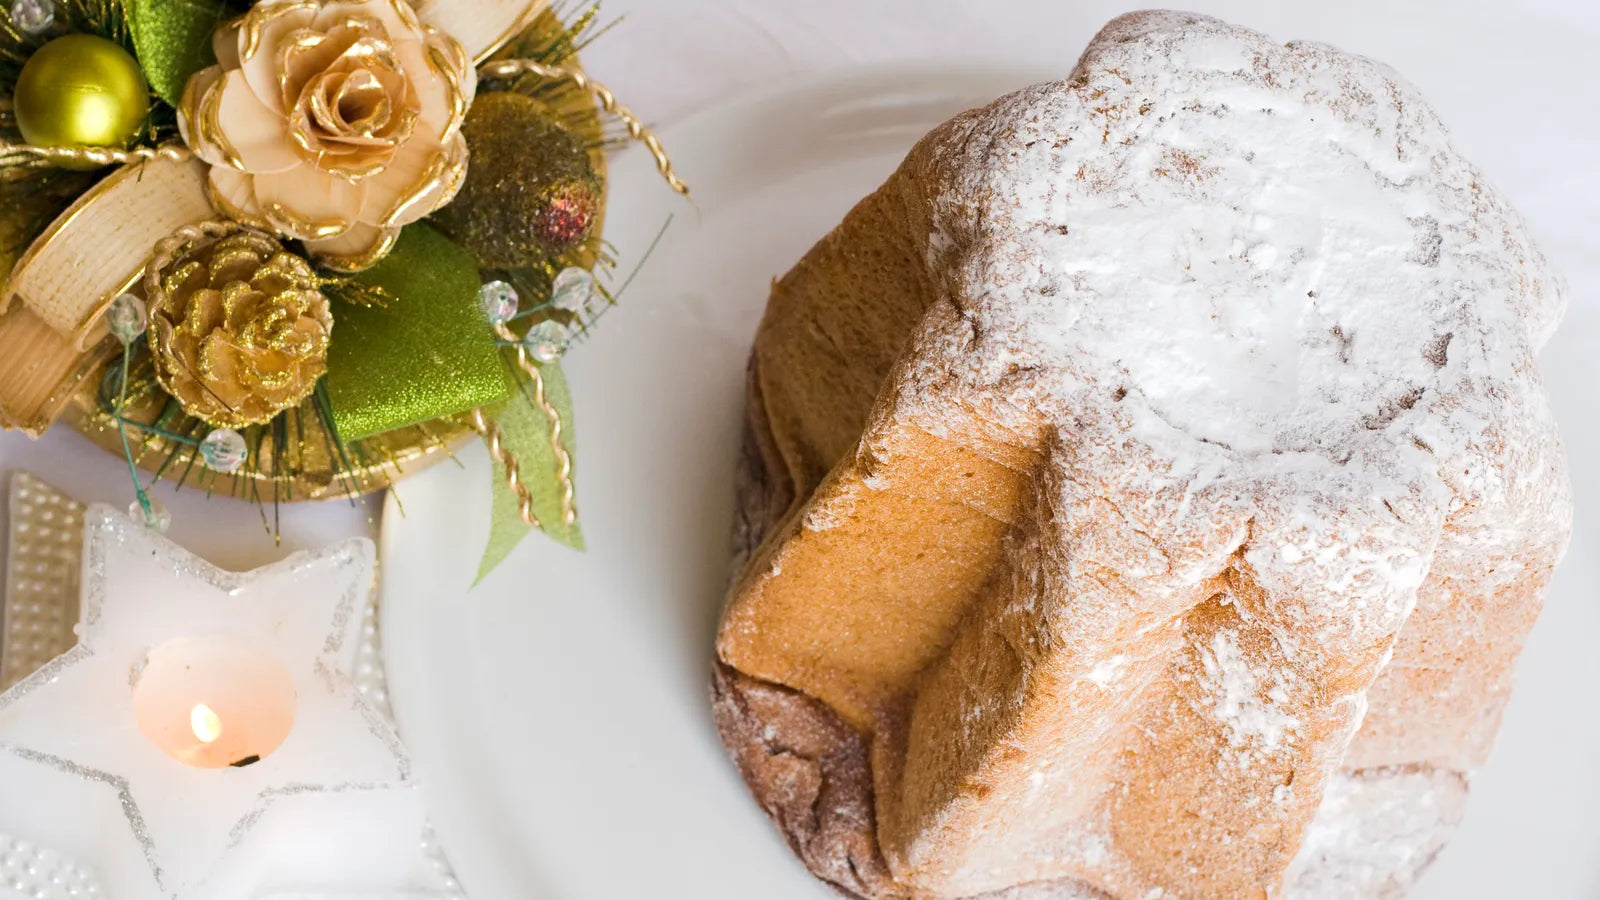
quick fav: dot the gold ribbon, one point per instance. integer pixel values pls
(51, 331)
(637, 130)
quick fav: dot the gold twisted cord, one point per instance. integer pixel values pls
(175, 244)
(569, 512)
(96, 156)
(497, 448)
(511, 68)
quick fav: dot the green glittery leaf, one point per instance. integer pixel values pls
(172, 39)
(427, 355)
(525, 431)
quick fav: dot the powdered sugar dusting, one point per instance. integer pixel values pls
(1250, 704)
(1375, 832)
(1265, 262)
(1278, 330)
(1106, 670)
(821, 517)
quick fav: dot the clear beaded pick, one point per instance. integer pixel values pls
(572, 289)
(546, 341)
(159, 519)
(499, 301)
(224, 450)
(126, 318)
(33, 17)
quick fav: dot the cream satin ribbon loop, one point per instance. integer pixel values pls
(482, 26)
(98, 248)
(51, 330)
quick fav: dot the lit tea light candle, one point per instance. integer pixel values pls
(213, 702)
(205, 723)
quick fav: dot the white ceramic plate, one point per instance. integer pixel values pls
(559, 709)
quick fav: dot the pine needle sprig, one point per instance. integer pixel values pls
(356, 292)
(104, 18)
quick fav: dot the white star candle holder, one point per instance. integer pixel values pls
(198, 706)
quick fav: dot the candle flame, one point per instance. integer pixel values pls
(206, 724)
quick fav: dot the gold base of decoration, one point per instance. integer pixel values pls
(294, 459)
(316, 472)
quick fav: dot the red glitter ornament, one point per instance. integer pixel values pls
(567, 218)
(531, 192)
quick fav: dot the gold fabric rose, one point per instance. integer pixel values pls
(239, 330)
(333, 123)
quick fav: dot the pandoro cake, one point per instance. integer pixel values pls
(1147, 490)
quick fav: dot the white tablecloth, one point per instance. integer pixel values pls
(1518, 81)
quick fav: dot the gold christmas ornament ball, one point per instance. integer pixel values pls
(530, 194)
(81, 91)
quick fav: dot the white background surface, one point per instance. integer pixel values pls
(1519, 82)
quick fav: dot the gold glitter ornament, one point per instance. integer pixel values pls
(238, 328)
(530, 193)
(81, 91)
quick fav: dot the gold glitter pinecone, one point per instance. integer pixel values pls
(239, 330)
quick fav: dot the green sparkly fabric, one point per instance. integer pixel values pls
(429, 354)
(172, 39)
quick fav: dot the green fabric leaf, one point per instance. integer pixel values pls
(172, 39)
(526, 433)
(429, 354)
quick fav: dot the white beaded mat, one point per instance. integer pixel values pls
(30, 872)
(42, 562)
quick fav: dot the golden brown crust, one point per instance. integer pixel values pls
(804, 765)
(809, 772)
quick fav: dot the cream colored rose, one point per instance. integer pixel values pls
(334, 123)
